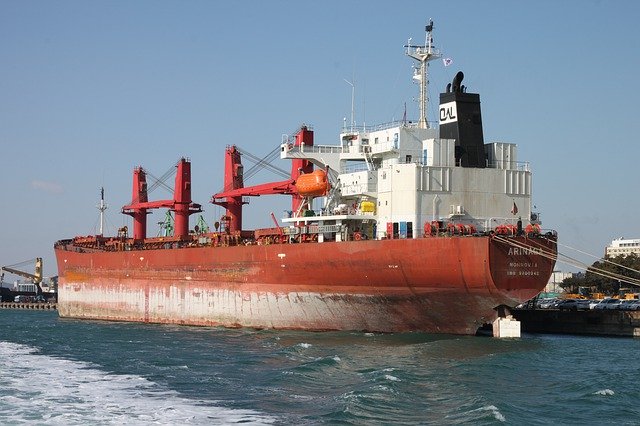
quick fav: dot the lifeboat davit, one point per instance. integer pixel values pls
(313, 184)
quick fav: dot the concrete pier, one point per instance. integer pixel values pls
(593, 322)
(33, 306)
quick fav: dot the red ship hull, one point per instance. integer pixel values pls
(441, 284)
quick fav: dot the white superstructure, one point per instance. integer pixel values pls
(411, 176)
(405, 174)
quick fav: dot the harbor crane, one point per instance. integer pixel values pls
(36, 277)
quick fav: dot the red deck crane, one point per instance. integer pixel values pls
(234, 189)
(181, 203)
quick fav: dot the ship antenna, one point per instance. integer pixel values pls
(424, 55)
(102, 207)
(353, 93)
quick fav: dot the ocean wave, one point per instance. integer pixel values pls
(477, 415)
(605, 392)
(496, 413)
(73, 393)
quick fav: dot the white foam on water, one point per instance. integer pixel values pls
(304, 345)
(302, 397)
(605, 392)
(391, 378)
(493, 409)
(55, 391)
(384, 388)
(496, 413)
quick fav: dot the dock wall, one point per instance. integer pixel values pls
(592, 322)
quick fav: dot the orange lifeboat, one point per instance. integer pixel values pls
(313, 184)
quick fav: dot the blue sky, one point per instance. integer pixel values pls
(90, 90)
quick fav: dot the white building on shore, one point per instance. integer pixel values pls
(622, 247)
(553, 286)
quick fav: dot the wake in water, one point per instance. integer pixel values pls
(46, 390)
(59, 372)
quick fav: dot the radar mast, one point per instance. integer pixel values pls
(424, 55)
(102, 207)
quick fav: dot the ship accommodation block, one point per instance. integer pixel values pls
(413, 177)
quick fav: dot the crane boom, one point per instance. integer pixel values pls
(20, 273)
(36, 277)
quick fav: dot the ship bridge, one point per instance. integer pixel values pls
(394, 142)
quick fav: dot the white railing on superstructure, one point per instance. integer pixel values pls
(329, 149)
(322, 214)
(355, 167)
(383, 126)
(377, 148)
(510, 165)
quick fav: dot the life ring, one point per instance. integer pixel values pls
(357, 236)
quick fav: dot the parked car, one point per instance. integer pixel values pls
(546, 303)
(630, 305)
(555, 303)
(567, 305)
(573, 304)
(607, 304)
(584, 304)
(593, 303)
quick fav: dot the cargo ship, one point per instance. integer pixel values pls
(405, 226)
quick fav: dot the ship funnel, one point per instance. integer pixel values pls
(460, 119)
(456, 84)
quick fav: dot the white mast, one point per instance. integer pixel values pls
(102, 207)
(424, 55)
(353, 93)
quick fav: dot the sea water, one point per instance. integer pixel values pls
(69, 372)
